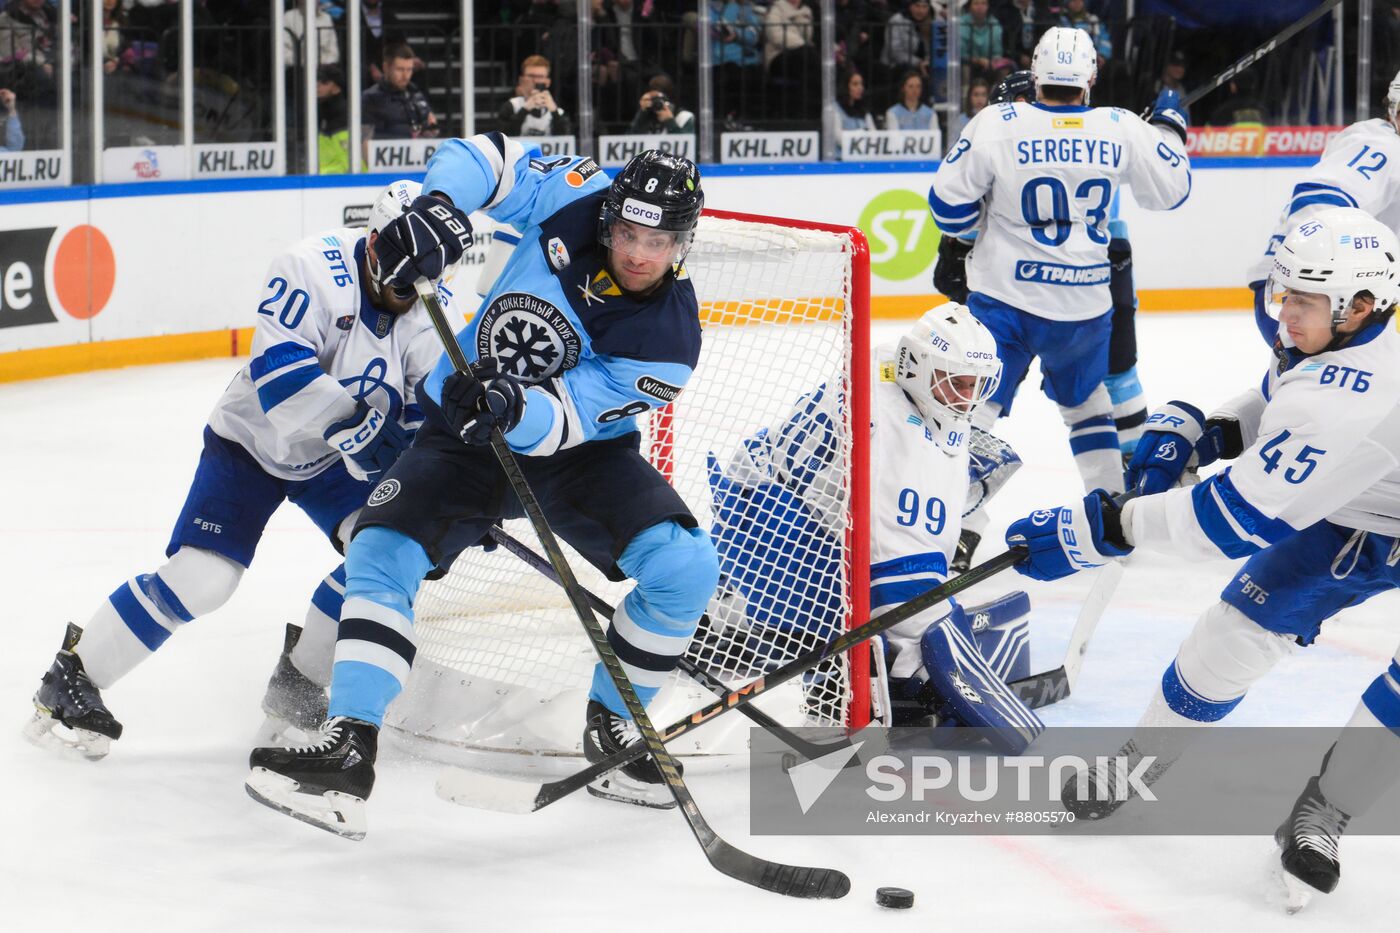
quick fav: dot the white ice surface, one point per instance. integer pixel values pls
(161, 835)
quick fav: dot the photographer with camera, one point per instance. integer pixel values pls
(14, 133)
(532, 111)
(658, 113)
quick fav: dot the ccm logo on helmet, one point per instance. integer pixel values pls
(641, 212)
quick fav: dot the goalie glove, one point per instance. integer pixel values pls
(368, 441)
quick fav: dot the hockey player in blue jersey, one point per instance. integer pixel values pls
(323, 407)
(1124, 390)
(1312, 499)
(593, 321)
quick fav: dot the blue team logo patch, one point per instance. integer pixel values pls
(1042, 517)
(1167, 452)
(529, 337)
(1053, 273)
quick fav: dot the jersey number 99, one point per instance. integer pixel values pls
(934, 513)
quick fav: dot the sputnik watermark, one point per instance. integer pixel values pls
(929, 773)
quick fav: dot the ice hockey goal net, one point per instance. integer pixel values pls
(503, 665)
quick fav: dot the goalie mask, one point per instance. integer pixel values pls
(390, 203)
(948, 364)
(655, 193)
(1342, 253)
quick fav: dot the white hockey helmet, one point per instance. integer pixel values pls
(1392, 97)
(390, 203)
(936, 356)
(1065, 56)
(1341, 252)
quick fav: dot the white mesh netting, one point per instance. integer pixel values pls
(502, 662)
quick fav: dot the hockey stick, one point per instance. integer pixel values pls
(513, 796)
(791, 880)
(687, 666)
(1283, 36)
(1055, 685)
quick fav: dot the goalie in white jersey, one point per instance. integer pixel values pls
(780, 517)
(324, 406)
(1359, 168)
(1039, 179)
(1312, 498)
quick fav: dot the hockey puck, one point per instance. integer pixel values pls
(894, 898)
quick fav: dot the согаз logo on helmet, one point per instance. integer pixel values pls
(641, 212)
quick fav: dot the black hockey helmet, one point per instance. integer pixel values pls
(1017, 84)
(658, 190)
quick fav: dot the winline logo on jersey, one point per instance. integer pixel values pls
(1085, 781)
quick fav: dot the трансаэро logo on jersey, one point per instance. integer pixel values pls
(529, 337)
(1052, 273)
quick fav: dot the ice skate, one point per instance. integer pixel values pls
(324, 784)
(295, 705)
(638, 783)
(69, 714)
(1308, 848)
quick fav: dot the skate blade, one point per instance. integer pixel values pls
(276, 732)
(333, 811)
(624, 790)
(1297, 894)
(48, 733)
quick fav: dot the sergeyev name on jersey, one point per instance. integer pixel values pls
(1038, 181)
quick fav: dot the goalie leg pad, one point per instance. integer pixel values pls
(971, 693)
(1001, 630)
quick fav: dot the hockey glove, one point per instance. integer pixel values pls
(1222, 440)
(1070, 539)
(950, 271)
(494, 399)
(1164, 452)
(1167, 111)
(369, 441)
(427, 238)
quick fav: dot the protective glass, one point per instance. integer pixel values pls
(1276, 294)
(646, 244)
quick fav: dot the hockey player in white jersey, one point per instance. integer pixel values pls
(1040, 179)
(324, 406)
(1359, 168)
(1312, 498)
(780, 515)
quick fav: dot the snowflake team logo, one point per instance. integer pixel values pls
(529, 337)
(384, 492)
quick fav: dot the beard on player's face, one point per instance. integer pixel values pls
(381, 294)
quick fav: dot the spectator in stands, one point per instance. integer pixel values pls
(328, 45)
(394, 107)
(980, 38)
(113, 35)
(735, 34)
(1243, 104)
(852, 111)
(910, 39)
(791, 59)
(27, 36)
(378, 27)
(9, 112)
(1023, 25)
(658, 112)
(532, 111)
(1174, 73)
(974, 101)
(332, 121)
(853, 22)
(1073, 14)
(911, 111)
